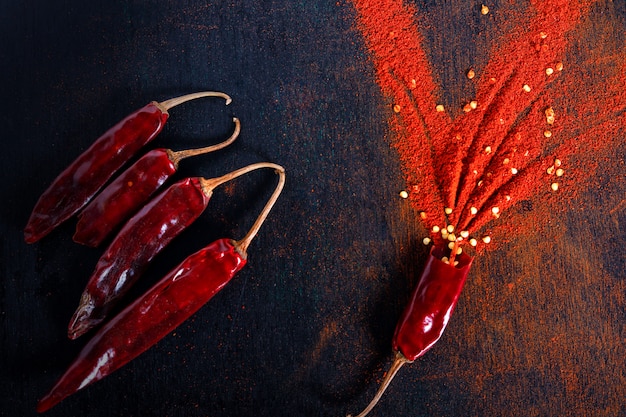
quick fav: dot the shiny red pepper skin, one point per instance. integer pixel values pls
(139, 241)
(151, 317)
(123, 197)
(79, 182)
(432, 303)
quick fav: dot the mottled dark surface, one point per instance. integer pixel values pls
(305, 328)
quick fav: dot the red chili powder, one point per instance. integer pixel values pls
(518, 139)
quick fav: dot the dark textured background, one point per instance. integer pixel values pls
(305, 328)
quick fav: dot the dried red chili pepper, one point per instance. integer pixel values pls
(159, 311)
(139, 241)
(425, 318)
(130, 190)
(79, 182)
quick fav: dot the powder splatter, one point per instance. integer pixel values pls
(517, 139)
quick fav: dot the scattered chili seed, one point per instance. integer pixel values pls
(559, 66)
(436, 229)
(404, 194)
(448, 210)
(488, 150)
(473, 242)
(484, 10)
(526, 88)
(549, 71)
(473, 210)
(514, 171)
(426, 241)
(450, 228)
(423, 215)
(547, 133)
(397, 108)
(559, 172)
(550, 170)
(464, 234)
(473, 104)
(471, 74)
(486, 239)
(557, 163)
(440, 108)
(554, 186)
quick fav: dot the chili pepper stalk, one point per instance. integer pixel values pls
(124, 196)
(426, 316)
(141, 239)
(170, 302)
(82, 179)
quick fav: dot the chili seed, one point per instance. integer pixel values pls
(464, 234)
(404, 194)
(559, 172)
(426, 241)
(397, 108)
(473, 104)
(423, 215)
(488, 150)
(436, 229)
(486, 239)
(447, 210)
(471, 74)
(547, 133)
(559, 66)
(514, 171)
(473, 210)
(473, 242)
(526, 88)
(554, 186)
(484, 10)
(549, 71)
(439, 108)
(450, 228)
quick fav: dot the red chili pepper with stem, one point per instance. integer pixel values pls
(425, 318)
(130, 190)
(139, 241)
(80, 181)
(159, 311)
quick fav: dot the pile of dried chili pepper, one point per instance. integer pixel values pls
(149, 224)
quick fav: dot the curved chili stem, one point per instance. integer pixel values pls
(395, 367)
(173, 102)
(177, 156)
(243, 243)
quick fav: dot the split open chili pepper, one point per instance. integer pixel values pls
(80, 181)
(139, 241)
(425, 318)
(125, 195)
(159, 311)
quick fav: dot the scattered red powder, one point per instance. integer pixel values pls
(531, 130)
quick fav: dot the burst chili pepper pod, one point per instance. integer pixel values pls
(425, 317)
(171, 301)
(80, 181)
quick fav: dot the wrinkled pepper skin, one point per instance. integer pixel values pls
(79, 182)
(138, 242)
(151, 317)
(432, 302)
(123, 197)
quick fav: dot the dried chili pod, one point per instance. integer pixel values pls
(125, 195)
(80, 181)
(425, 318)
(170, 302)
(139, 241)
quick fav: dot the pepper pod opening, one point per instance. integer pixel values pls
(425, 317)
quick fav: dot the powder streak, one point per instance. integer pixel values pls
(497, 153)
